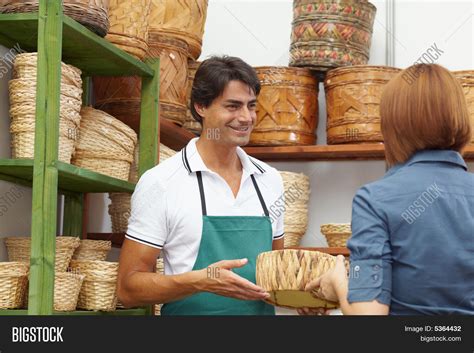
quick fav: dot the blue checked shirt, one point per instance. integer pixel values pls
(412, 244)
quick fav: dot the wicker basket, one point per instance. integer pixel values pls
(99, 288)
(19, 249)
(129, 25)
(287, 107)
(184, 19)
(285, 274)
(105, 144)
(90, 13)
(336, 234)
(353, 100)
(190, 123)
(160, 268)
(92, 250)
(297, 190)
(13, 284)
(67, 286)
(467, 82)
(331, 33)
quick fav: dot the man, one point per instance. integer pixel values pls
(206, 209)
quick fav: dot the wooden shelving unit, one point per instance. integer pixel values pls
(57, 37)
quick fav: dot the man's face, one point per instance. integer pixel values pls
(230, 118)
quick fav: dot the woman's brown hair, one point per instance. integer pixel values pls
(423, 107)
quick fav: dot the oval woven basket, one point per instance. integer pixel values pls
(98, 290)
(466, 78)
(19, 249)
(190, 123)
(129, 25)
(337, 234)
(331, 33)
(90, 13)
(285, 273)
(13, 284)
(353, 103)
(67, 286)
(184, 19)
(287, 107)
(92, 250)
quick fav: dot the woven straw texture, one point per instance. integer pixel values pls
(67, 286)
(22, 94)
(287, 107)
(331, 33)
(105, 144)
(336, 234)
(353, 100)
(13, 284)
(18, 249)
(92, 250)
(297, 191)
(181, 18)
(467, 82)
(90, 13)
(98, 290)
(190, 123)
(285, 274)
(129, 25)
(160, 268)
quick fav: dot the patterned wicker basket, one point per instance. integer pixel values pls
(467, 82)
(92, 250)
(19, 249)
(99, 288)
(13, 284)
(129, 25)
(184, 19)
(190, 123)
(336, 234)
(287, 107)
(285, 274)
(353, 100)
(67, 286)
(331, 33)
(90, 13)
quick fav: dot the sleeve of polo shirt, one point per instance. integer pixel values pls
(147, 223)
(370, 275)
(278, 230)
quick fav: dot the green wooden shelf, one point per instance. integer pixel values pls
(70, 177)
(118, 312)
(82, 48)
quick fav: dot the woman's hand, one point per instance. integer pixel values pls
(332, 285)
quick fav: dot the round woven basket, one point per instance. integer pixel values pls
(297, 191)
(13, 284)
(285, 273)
(184, 19)
(190, 123)
(287, 107)
(336, 234)
(90, 13)
(19, 249)
(67, 286)
(98, 290)
(105, 144)
(353, 97)
(331, 33)
(129, 25)
(92, 250)
(466, 78)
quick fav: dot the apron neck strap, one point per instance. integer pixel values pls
(203, 197)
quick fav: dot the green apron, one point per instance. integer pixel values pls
(228, 238)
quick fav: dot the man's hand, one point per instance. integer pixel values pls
(223, 281)
(312, 311)
(332, 284)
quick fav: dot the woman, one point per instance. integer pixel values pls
(412, 244)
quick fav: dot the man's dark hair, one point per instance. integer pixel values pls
(214, 74)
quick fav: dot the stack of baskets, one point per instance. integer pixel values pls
(22, 90)
(190, 123)
(105, 144)
(13, 284)
(92, 250)
(297, 191)
(336, 234)
(90, 13)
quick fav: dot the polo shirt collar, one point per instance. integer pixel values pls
(193, 162)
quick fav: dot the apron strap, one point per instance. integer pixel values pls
(203, 197)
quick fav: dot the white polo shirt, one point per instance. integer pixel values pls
(166, 206)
